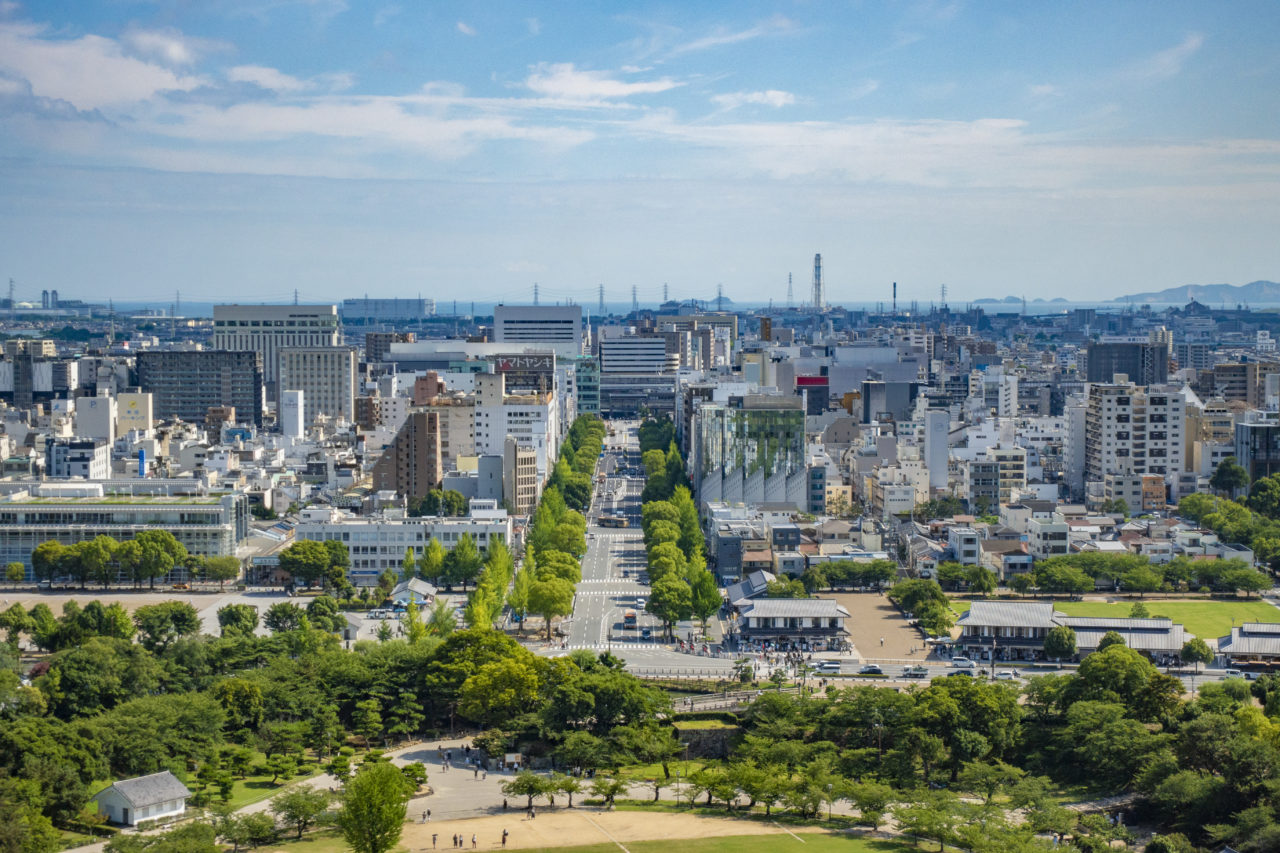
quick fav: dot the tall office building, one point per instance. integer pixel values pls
(1142, 363)
(751, 449)
(556, 325)
(268, 329)
(411, 464)
(378, 344)
(326, 375)
(187, 384)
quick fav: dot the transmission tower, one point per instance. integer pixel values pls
(720, 297)
(535, 293)
(943, 288)
(11, 299)
(790, 295)
(295, 296)
(601, 299)
(664, 292)
(635, 301)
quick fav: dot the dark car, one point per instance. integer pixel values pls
(961, 672)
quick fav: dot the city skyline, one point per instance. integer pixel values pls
(241, 151)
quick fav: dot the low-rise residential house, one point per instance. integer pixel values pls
(414, 590)
(131, 801)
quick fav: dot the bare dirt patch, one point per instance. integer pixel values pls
(565, 828)
(874, 617)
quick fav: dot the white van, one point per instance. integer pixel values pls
(828, 667)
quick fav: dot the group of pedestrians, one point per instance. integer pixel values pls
(460, 840)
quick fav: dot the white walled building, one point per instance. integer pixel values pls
(327, 375)
(531, 419)
(268, 329)
(293, 413)
(556, 325)
(378, 543)
(1134, 430)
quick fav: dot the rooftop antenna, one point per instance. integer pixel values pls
(601, 310)
(535, 293)
(720, 296)
(635, 302)
(790, 295)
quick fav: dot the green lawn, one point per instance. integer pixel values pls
(703, 724)
(1206, 619)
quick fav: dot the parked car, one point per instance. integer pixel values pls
(963, 663)
(871, 669)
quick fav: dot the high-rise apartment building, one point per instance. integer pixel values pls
(186, 385)
(325, 375)
(411, 464)
(1134, 430)
(532, 419)
(268, 329)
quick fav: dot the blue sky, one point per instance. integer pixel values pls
(238, 149)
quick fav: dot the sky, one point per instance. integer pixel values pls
(242, 149)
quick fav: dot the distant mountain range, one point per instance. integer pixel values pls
(1211, 294)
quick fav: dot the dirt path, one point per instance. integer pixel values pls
(579, 826)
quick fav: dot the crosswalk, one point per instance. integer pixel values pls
(601, 647)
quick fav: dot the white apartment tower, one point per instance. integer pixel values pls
(1134, 430)
(268, 329)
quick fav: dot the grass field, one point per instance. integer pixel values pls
(1208, 620)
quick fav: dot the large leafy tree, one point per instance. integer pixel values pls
(160, 624)
(549, 598)
(1229, 477)
(374, 804)
(671, 600)
(306, 561)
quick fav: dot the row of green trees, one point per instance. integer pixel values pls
(577, 462)
(1255, 523)
(557, 536)
(147, 557)
(1082, 572)
(681, 586)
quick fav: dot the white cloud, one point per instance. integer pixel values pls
(8, 7)
(1168, 63)
(466, 29)
(90, 72)
(169, 46)
(1044, 90)
(564, 81)
(722, 37)
(385, 14)
(534, 25)
(768, 98)
(266, 78)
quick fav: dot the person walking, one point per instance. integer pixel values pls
(433, 841)
(504, 838)
(473, 841)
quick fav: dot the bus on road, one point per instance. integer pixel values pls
(612, 521)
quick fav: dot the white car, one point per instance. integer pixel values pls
(963, 663)
(1006, 675)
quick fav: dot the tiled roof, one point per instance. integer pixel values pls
(150, 790)
(786, 608)
(1009, 614)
